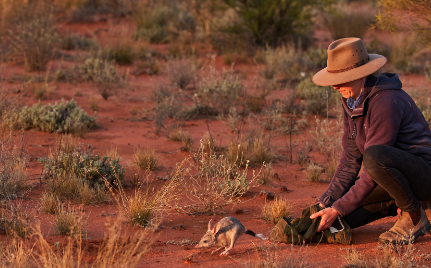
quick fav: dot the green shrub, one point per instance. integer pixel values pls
(405, 53)
(72, 42)
(291, 62)
(182, 72)
(213, 182)
(163, 22)
(347, 21)
(318, 100)
(82, 164)
(122, 54)
(220, 91)
(274, 22)
(65, 117)
(33, 36)
(97, 70)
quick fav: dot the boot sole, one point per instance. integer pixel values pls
(421, 232)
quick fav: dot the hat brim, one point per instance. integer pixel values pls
(324, 78)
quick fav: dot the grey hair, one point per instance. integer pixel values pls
(377, 73)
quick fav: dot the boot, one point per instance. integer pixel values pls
(426, 205)
(404, 231)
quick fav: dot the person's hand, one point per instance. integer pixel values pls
(329, 215)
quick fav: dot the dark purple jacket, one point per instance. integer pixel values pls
(386, 115)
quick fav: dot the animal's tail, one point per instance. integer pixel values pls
(249, 232)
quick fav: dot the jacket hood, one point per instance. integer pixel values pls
(387, 81)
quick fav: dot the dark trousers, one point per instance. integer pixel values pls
(403, 179)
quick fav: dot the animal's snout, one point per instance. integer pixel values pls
(197, 246)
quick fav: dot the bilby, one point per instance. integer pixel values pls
(224, 234)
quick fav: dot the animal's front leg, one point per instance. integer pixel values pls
(217, 250)
(224, 253)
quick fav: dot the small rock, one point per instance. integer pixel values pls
(239, 211)
(179, 227)
(276, 177)
(267, 195)
(284, 189)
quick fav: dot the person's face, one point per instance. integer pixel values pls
(350, 89)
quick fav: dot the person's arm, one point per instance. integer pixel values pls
(347, 170)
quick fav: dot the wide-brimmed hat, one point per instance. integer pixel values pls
(348, 60)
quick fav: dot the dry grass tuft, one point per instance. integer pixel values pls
(266, 175)
(182, 136)
(146, 159)
(146, 206)
(273, 211)
(114, 251)
(313, 172)
(69, 222)
(50, 203)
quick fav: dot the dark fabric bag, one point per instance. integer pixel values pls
(304, 229)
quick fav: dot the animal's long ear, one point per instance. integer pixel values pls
(209, 225)
(214, 230)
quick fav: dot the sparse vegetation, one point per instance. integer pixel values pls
(145, 159)
(31, 33)
(182, 72)
(63, 117)
(69, 222)
(147, 206)
(216, 184)
(76, 174)
(219, 91)
(313, 172)
(348, 20)
(13, 170)
(266, 175)
(273, 211)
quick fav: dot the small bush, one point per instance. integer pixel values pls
(50, 203)
(70, 161)
(146, 159)
(146, 207)
(220, 91)
(291, 62)
(65, 117)
(266, 175)
(72, 42)
(348, 21)
(122, 53)
(13, 170)
(273, 211)
(267, 23)
(14, 221)
(236, 154)
(405, 52)
(162, 23)
(260, 152)
(33, 36)
(102, 73)
(182, 136)
(208, 143)
(68, 223)
(213, 183)
(318, 100)
(313, 172)
(182, 72)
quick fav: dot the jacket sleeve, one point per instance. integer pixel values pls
(384, 124)
(347, 170)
